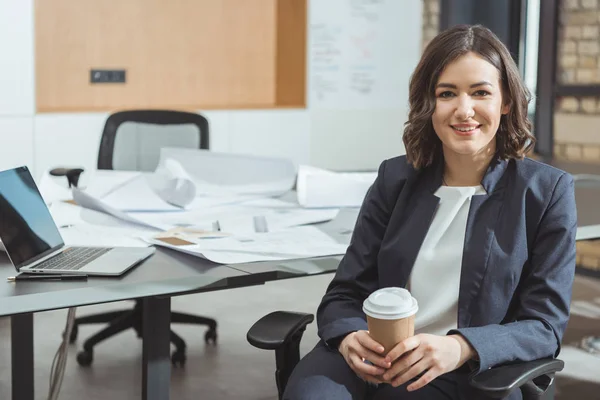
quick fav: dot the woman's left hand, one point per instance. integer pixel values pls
(432, 354)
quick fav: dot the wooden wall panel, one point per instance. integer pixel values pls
(187, 54)
(290, 83)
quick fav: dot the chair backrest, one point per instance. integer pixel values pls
(132, 140)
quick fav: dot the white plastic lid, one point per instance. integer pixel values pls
(390, 303)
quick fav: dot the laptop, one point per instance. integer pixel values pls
(34, 244)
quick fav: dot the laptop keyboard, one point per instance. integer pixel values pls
(73, 258)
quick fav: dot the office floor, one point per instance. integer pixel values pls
(234, 369)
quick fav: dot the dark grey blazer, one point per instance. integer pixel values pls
(518, 260)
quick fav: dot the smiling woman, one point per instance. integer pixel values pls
(483, 237)
(466, 96)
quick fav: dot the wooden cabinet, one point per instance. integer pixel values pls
(184, 54)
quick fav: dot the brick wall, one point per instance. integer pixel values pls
(431, 20)
(577, 119)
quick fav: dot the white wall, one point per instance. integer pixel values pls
(361, 55)
(16, 142)
(17, 62)
(340, 138)
(16, 83)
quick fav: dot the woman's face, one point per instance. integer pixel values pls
(468, 106)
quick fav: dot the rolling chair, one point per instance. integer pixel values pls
(131, 140)
(282, 331)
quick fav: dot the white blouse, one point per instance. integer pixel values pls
(435, 278)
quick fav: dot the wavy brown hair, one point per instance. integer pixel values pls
(513, 138)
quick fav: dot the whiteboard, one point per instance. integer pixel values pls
(359, 53)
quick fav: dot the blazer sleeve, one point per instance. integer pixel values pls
(340, 311)
(543, 295)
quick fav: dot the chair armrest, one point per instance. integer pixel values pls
(72, 174)
(277, 328)
(499, 382)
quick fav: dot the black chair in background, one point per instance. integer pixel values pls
(282, 331)
(132, 140)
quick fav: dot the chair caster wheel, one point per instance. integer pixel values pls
(74, 333)
(85, 358)
(210, 336)
(178, 358)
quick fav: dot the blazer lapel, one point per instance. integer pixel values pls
(483, 214)
(419, 220)
(417, 206)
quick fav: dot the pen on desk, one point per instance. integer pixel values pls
(27, 277)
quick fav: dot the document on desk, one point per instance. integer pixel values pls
(322, 188)
(85, 200)
(588, 232)
(285, 244)
(89, 235)
(102, 182)
(218, 173)
(137, 195)
(51, 190)
(84, 227)
(239, 218)
(96, 183)
(170, 188)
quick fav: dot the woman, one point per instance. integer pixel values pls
(483, 237)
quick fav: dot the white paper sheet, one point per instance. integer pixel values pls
(98, 236)
(96, 183)
(172, 188)
(239, 218)
(173, 184)
(292, 243)
(51, 189)
(225, 173)
(588, 232)
(586, 177)
(84, 227)
(137, 195)
(101, 182)
(85, 200)
(322, 188)
(276, 219)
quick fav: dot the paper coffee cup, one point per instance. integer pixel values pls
(390, 316)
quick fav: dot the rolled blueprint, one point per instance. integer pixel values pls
(173, 184)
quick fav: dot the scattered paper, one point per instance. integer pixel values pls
(218, 173)
(85, 200)
(239, 218)
(103, 181)
(94, 235)
(319, 188)
(137, 195)
(292, 243)
(65, 214)
(588, 232)
(84, 227)
(173, 184)
(586, 177)
(51, 190)
(96, 183)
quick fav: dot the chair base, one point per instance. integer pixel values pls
(119, 321)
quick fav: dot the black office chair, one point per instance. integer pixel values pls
(282, 331)
(131, 140)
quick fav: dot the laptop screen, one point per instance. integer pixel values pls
(27, 229)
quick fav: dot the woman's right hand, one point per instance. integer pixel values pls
(358, 347)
